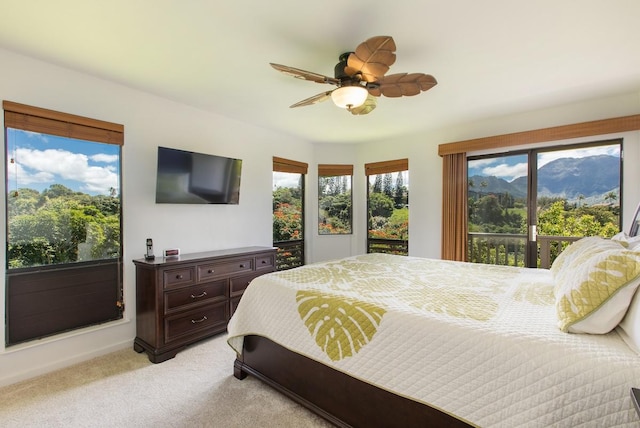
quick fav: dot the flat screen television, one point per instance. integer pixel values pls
(196, 178)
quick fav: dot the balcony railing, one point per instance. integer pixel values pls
(290, 254)
(509, 249)
(550, 246)
(388, 246)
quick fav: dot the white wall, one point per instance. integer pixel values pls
(330, 247)
(425, 166)
(151, 121)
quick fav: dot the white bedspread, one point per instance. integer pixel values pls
(477, 341)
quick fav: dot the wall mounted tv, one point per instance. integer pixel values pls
(196, 178)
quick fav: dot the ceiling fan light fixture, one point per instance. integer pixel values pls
(349, 96)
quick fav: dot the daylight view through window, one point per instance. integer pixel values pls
(388, 213)
(63, 201)
(334, 205)
(288, 215)
(524, 208)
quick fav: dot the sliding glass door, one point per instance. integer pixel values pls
(498, 201)
(525, 207)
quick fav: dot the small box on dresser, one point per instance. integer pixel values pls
(181, 300)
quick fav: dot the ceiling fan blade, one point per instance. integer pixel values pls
(403, 84)
(313, 100)
(372, 58)
(305, 75)
(368, 106)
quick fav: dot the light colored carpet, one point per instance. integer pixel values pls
(123, 389)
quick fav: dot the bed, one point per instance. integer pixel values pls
(382, 340)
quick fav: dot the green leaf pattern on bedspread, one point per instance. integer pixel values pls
(359, 291)
(340, 327)
(536, 294)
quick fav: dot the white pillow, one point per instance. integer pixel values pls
(578, 252)
(596, 294)
(630, 324)
(631, 242)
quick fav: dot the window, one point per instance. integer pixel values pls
(63, 222)
(388, 207)
(334, 199)
(288, 212)
(525, 207)
(454, 170)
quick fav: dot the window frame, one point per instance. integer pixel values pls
(386, 246)
(291, 254)
(335, 170)
(87, 293)
(454, 206)
(534, 254)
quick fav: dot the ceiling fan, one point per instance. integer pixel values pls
(360, 77)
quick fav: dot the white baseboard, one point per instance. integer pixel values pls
(43, 356)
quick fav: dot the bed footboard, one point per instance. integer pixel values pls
(333, 395)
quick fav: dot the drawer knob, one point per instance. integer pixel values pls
(210, 271)
(204, 293)
(178, 276)
(242, 265)
(204, 318)
(264, 262)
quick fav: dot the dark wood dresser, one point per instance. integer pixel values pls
(183, 299)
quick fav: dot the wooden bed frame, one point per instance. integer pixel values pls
(339, 398)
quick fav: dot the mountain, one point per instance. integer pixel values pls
(589, 178)
(485, 184)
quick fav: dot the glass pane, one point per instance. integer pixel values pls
(389, 213)
(287, 206)
(334, 205)
(63, 200)
(288, 224)
(578, 194)
(497, 203)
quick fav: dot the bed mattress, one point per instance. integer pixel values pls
(480, 342)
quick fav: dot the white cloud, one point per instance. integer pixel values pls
(104, 158)
(508, 172)
(480, 163)
(56, 165)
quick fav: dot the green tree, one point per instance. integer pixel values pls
(584, 221)
(387, 185)
(61, 226)
(399, 192)
(287, 223)
(286, 195)
(377, 184)
(380, 205)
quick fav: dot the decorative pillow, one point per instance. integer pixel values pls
(631, 242)
(578, 252)
(596, 295)
(630, 324)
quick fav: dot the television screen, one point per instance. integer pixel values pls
(195, 178)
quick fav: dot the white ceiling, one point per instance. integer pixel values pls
(490, 57)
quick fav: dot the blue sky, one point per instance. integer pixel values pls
(42, 160)
(512, 167)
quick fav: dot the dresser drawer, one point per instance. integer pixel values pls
(233, 304)
(265, 262)
(228, 267)
(178, 277)
(209, 292)
(239, 284)
(203, 320)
